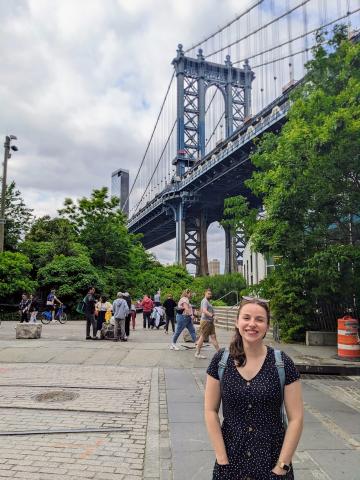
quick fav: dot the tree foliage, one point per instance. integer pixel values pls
(308, 178)
(18, 217)
(15, 277)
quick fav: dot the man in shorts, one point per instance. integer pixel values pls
(207, 326)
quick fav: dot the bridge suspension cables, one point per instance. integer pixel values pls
(276, 38)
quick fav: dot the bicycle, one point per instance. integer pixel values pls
(60, 315)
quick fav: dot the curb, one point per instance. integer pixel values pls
(328, 369)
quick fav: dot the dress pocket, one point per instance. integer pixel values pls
(222, 472)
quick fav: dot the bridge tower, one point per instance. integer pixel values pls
(194, 76)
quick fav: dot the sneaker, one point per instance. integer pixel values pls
(198, 355)
(174, 347)
(88, 338)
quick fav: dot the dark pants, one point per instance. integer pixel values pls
(146, 318)
(24, 317)
(100, 320)
(172, 320)
(127, 324)
(91, 320)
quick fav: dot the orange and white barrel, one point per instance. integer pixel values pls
(348, 338)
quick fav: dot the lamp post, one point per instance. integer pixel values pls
(7, 155)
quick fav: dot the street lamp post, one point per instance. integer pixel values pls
(7, 155)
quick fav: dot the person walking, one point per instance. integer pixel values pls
(24, 308)
(251, 443)
(89, 310)
(207, 324)
(127, 299)
(120, 310)
(169, 306)
(33, 308)
(184, 317)
(147, 305)
(101, 307)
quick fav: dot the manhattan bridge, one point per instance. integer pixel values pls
(224, 92)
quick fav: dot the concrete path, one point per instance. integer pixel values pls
(156, 394)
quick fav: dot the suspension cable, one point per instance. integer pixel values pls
(257, 29)
(149, 143)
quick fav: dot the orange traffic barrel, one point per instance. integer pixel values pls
(348, 338)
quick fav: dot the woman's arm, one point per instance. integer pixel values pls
(212, 421)
(295, 412)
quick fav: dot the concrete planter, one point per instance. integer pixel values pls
(28, 330)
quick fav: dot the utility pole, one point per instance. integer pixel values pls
(7, 155)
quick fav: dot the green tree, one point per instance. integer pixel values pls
(18, 217)
(71, 276)
(15, 277)
(101, 228)
(308, 178)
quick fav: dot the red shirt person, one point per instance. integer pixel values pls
(147, 305)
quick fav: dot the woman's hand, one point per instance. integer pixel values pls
(222, 461)
(279, 471)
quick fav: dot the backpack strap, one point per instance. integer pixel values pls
(281, 372)
(222, 364)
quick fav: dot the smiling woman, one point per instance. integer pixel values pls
(252, 383)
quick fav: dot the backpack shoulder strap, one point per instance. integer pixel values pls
(281, 372)
(222, 363)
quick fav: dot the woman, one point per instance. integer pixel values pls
(252, 443)
(33, 308)
(184, 319)
(102, 307)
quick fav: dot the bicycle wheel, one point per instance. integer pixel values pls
(44, 319)
(62, 318)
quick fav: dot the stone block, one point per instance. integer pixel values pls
(28, 330)
(328, 339)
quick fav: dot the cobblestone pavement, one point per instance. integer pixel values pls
(105, 398)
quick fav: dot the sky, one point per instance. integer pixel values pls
(81, 84)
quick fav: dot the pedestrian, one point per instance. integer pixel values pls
(127, 299)
(207, 324)
(89, 310)
(147, 305)
(33, 308)
(169, 306)
(101, 307)
(157, 298)
(50, 303)
(24, 308)
(184, 319)
(120, 309)
(251, 442)
(133, 315)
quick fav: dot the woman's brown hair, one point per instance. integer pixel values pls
(236, 349)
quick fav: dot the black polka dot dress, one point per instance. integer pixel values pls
(252, 427)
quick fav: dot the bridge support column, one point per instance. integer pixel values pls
(234, 248)
(196, 243)
(180, 234)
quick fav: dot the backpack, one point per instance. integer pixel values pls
(281, 372)
(80, 308)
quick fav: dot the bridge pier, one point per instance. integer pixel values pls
(234, 248)
(196, 243)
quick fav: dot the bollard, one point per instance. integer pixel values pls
(348, 338)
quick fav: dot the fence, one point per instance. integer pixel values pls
(325, 315)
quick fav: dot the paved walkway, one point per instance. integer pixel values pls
(71, 409)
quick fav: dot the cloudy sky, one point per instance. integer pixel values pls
(81, 84)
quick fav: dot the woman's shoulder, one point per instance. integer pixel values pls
(291, 372)
(214, 364)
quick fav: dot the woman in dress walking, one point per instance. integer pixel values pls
(252, 443)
